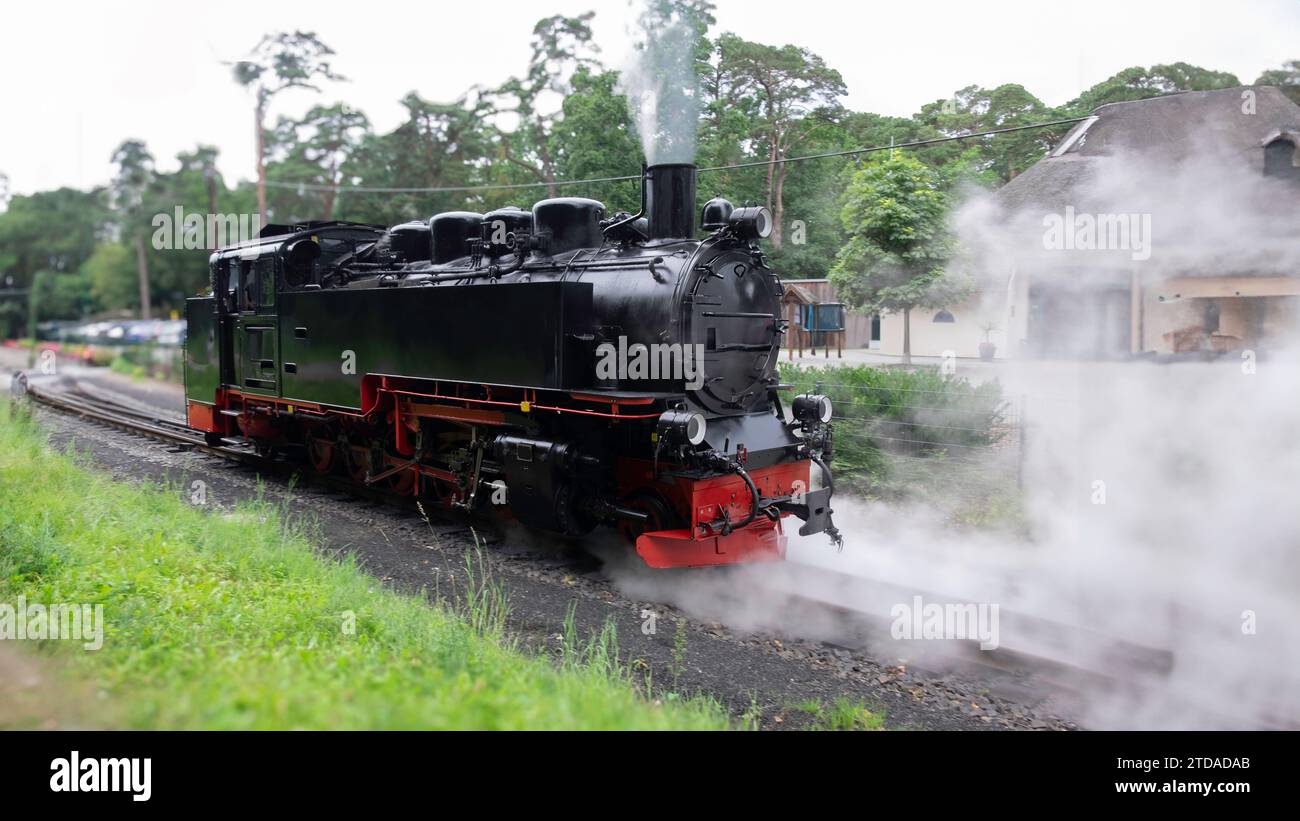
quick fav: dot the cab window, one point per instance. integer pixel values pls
(247, 286)
(266, 282)
(231, 295)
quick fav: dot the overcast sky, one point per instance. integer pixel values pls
(80, 78)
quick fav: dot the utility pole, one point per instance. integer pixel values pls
(210, 173)
(261, 155)
(142, 263)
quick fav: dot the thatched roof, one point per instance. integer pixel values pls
(1165, 129)
(1187, 170)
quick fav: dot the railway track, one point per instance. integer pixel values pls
(87, 403)
(852, 611)
(78, 402)
(1069, 657)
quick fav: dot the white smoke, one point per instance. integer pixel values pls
(1160, 498)
(1162, 530)
(661, 86)
(1210, 214)
(1161, 507)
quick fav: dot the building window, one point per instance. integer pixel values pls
(1212, 316)
(944, 316)
(1280, 158)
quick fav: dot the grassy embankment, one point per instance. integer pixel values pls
(149, 362)
(230, 620)
(146, 361)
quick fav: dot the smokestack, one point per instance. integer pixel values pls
(670, 200)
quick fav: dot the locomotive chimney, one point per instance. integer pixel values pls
(670, 200)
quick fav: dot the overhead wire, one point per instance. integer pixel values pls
(446, 189)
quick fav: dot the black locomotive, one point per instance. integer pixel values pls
(571, 368)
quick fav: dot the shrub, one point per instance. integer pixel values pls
(882, 412)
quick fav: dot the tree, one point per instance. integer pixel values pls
(31, 252)
(1286, 78)
(1000, 157)
(202, 161)
(560, 46)
(440, 145)
(59, 296)
(1138, 83)
(109, 274)
(895, 213)
(596, 138)
(794, 94)
(179, 270)
(29, 245)
(281, 61)
(135, 173)
(312, 150)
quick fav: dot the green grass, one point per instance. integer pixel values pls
(140, 362)
(844, 714)
(230, 620)
(124, 367)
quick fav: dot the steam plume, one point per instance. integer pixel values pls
(661, 85)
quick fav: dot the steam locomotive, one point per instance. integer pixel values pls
(570, 368)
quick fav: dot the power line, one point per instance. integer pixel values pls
(913, 144)
(362, 189)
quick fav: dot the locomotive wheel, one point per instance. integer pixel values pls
(403, 482)
(443, 492)
(661, 516)
(321, 453)
(357, 463)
